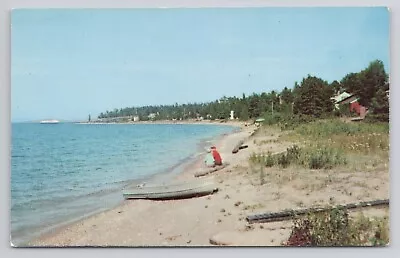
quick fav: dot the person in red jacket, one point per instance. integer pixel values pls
(216, 156)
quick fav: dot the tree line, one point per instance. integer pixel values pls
(311, 97)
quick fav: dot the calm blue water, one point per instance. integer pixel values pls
(64, 171)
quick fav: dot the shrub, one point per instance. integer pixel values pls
(334, 228)
(255, 158)
(291, 156)
(283, 160)
(325, 158)
(271, 119)
(269, 161)
(374, 118)
(313, 158)
(293, 153)
(294, 121)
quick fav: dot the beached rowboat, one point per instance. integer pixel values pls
(173, 191)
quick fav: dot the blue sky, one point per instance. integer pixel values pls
(67, 63)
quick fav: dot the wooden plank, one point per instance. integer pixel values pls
(286, 215)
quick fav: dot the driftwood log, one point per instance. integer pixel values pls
(290, 214)
(237, 147)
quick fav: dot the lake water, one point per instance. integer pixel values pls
(64, 171)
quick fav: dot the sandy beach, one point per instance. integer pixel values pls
(220, 218)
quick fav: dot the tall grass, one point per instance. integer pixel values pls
(286, 121)
(325, 157)
(364, 138)
(325, 128)
(312, 158)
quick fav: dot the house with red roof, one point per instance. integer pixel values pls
(354, 106)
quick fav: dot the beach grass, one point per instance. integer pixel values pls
(335, 160)
(337, 228)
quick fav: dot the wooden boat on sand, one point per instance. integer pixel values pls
(173, 191)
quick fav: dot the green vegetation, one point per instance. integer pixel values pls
(313, 97)
(336, 228)
(367, 83)
(269, 161)
(312, 158)
(326, 128)
(307, 101)
(360, 138)
(325, 141)
(322, 145)
(247, 107)
(326, 158)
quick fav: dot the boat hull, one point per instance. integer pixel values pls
(178, 191)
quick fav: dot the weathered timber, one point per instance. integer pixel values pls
(289, 214)
(236, 149)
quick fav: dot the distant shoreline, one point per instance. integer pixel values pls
(237, 123)
(240, 124)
